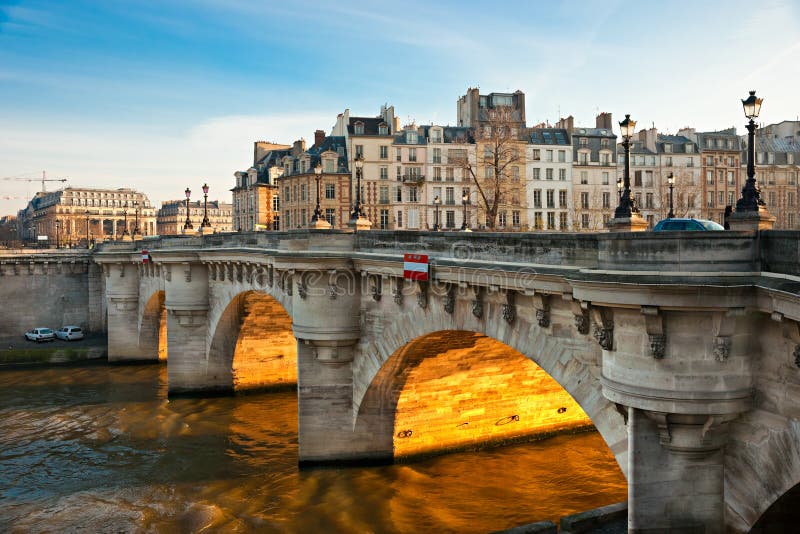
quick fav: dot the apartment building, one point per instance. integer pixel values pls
(256, 204)
(549, 179)
(171, 216)
(449, 151)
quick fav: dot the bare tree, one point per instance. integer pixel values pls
(498, 168)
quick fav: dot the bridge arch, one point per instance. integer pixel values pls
(252, 345)
(568, 360)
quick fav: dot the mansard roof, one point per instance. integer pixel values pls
(549, 136)
(371, 125)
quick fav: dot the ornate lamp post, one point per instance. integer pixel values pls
(319, 220)
(751, 194)
(619, 187)
(136, 217)
(87, 227)
(627, 204)
(58, 234)
(187, 225)
(751, 211)
(436, 202)
(357, 213)
(125, 219)
(671, 182)
(357, 219)
(205, 223)
(465, 201)
(626, 216)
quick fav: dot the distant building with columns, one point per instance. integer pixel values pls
(83, 213)
(171, 217)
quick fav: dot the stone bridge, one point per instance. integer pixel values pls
(682, 349)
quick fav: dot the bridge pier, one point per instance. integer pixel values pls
(122, 294)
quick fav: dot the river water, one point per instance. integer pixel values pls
(101, 449)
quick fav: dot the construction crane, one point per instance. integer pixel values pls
(43, 180)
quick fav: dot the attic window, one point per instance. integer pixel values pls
(382, 129)
(411, 138)
(689, 148)
(340, 151)
(359, 129)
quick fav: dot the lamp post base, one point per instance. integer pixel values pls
(320, 224)
(634, 223)
(362, 223)
(751, 221)
(203, 230)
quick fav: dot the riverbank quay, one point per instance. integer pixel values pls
(15, 352)
(611, 519)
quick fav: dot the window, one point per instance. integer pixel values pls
(771, 158)
(648, 178)
(328, 165)
(710, 177)
(689, 148)
(537, 220)
(562, 156)
(585, 220)
(330, 216)
(359, 130)
(606, 199)
(790, 199)
(562, 174)
(583, 158)
(501, 218)
(562, 198)
(605, 178)
(690, 162)
(384, 195)
(411, 137)
(584, 177)
(667, 147)
(384, 152)
(583, 141)
(605, 159)
(384, 219)
(709, 161)
(399, 154)
(436, 135)
(303, 192)
(515, 173)
(537, 174)
(637, 178)
(437, 155)
(548, 155)
(537, 154)
(690, 201)
(649, 201)
(551, 220)
(562, 221)
(383, 129)
(515, 218)
(731, 161)
(730, 199)
(731, 180)
(549, 174)
(384, 173)
(772, 198)
(585, 200)
(412, 154)
(488, 172)
(449, 174)
(412, 194)
(710, 199)
(449, 196)
(450, 219)
(437, 174)
(638, 199)
(360, 150)
(537, 198)
(398, 194)
(759, 158)
(669, 161)
(551, 201)
(330, 191)
(399, 218)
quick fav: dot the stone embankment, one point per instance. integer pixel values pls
(15, 351)
(610, 519)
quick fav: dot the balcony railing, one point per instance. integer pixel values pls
(413, 179)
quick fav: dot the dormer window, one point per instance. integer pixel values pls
(411, 137)
(327, 165)
(436, 135)
(668, 147)
(689, 148)
(382, 129)
(359, 128)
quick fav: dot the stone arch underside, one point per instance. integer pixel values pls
(569, 359)
(762, 456)
(252, 346)
(153, 328)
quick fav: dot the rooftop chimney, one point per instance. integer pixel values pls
(604, 121)
(319, 137)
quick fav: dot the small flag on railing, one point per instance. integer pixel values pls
(145, 256)
(415, 267)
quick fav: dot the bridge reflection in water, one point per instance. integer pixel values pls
(102, 449)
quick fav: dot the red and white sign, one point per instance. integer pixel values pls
(415, 267)
(145, 256)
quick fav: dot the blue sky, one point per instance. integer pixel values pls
(163, 94)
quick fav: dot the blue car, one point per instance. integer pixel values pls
(687, 225)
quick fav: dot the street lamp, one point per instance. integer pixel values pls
(619, 187)
(751, 194)
(436, 202)
(627, 205)
(136, 217)
(357, 213)
(205, 223)
(125, 218)
(187, 225)
(317, 210)
(465, 201)
(671, 182)
(58, 234)
(87, 227)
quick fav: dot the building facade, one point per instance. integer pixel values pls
(549, 179)
(594, 187)
(75, 215)
(447, 148)
(256, 204)
(171, 217)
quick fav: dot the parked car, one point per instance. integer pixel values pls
(40, 334)
(69, 333)
(687, 225)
